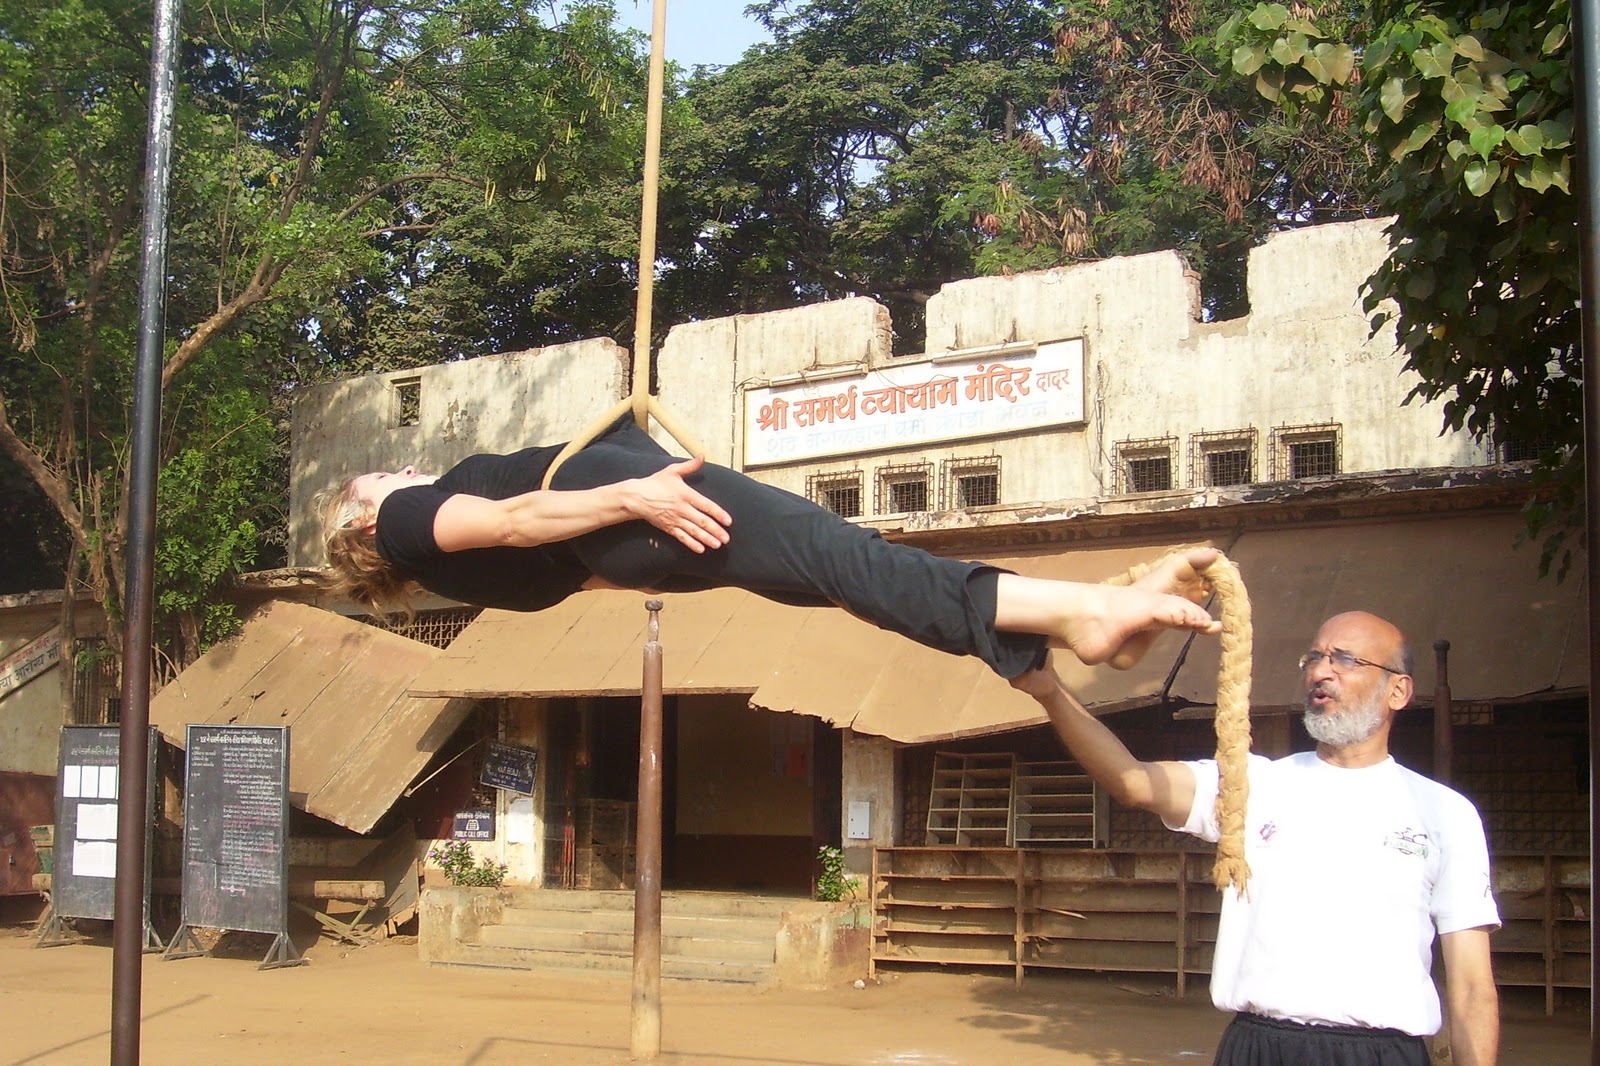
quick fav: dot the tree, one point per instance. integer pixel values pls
(1471, 111)
(320, 150)
(822, 165)
(886, 148)
(1163, 153)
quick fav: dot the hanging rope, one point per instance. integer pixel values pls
(639, 401)
(1232, 718)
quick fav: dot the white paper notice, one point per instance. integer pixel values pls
(97, 821)
(519, 820)
(71, 778)
(108, 782)
(96, 858)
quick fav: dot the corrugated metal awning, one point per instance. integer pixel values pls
(356, 737)
(1462, 578)
(809, 660)
(1456, 577)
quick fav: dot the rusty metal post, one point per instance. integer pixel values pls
(129, 924)
(1443, 738)
(646, 1011)
(1586, 189)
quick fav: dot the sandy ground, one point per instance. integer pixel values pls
(379, 1004)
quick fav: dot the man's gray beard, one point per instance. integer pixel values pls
(1351, 725)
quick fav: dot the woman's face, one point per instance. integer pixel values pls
(372, 489)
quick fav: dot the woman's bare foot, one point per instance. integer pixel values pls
(1117, 625)
(1179, 573)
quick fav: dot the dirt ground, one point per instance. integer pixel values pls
(379, 1004)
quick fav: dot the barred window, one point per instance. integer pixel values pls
(1145, 465)
(968, 483)
(903, 489)
(1218, 459)
(407, 401)
(1307, 451)
(1523, 449)
(435, 628)
(839, 493)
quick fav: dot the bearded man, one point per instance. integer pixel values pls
(1356, 863)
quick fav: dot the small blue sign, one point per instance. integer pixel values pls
(473, 825)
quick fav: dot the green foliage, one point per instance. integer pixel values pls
(354, 187)
(1471, 113)
(834, 885)
(457, 861)
(823, 164)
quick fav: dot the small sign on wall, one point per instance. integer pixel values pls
(858, 820)
(509, 767)
(473, 825)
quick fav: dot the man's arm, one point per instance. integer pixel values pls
(1163, 788)
(1474, 1002)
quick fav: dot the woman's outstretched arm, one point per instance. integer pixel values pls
(663, 499)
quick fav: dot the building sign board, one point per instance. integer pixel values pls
(509, 767)
(979, 394)
(476, 824)
(33, 659)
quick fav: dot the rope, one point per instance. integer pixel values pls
(1232, 721)
(639, 401)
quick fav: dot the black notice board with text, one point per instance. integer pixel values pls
(236, 829)
(84, 884)
(509, 767)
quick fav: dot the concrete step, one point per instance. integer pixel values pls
(673, 967)
(620, 943)
(717, 904)
(618, 921)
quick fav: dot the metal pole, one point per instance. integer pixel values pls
(1443, 741)
(133, 776)
(646, 1013)
(1586, 76)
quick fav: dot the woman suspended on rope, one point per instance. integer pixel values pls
(622, 513)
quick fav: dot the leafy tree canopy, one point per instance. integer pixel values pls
(1471, 111)
(354, 187)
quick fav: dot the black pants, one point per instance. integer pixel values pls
(1252, 1040)
(786, 548)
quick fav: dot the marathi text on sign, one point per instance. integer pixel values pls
(916, 404)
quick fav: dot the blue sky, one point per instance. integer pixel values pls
(698, 31)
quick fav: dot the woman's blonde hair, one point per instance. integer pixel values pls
(359, 573)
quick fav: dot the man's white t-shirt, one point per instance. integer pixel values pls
(1351, 873)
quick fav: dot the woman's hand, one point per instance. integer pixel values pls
(666, 501)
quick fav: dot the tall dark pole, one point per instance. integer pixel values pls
(645, 1037)
(128, 937)
(1443, 741)
(1586, 52)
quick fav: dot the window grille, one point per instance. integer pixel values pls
(969, 483)
(1145, 465)
(1226, 458)
(903, 489)
(96, 690)
(1522, 449)
(839, 493)
(407, 401)
(435, 628)
(1307, 451)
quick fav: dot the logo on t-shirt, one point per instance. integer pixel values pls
(1409, 842)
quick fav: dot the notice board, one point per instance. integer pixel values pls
(84, 884)
(509, 767)
(236, 829)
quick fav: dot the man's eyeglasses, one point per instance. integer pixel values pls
(1341, 660)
